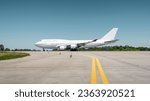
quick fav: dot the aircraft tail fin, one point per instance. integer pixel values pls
(110, 35)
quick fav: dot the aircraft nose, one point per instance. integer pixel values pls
(37, 43)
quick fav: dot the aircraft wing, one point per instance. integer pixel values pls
(84, 43)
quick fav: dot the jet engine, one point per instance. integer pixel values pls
(73, 46)
(62, 47)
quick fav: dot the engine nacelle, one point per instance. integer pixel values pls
(73, 46)
(62, 47)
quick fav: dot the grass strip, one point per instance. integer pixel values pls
(12, 55)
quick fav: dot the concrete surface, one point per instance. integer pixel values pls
(56, 68)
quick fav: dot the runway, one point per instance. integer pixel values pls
(82, 68)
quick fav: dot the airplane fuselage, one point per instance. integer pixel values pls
(62, 44)
(55, 43)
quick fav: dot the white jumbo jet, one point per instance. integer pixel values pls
(62, 44)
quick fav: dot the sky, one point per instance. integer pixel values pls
(24, 22)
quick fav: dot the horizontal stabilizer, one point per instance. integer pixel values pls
(111, 41)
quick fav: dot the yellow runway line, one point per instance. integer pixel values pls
(96, 63)
(102, 73)
(93, 73)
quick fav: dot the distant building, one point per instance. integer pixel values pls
(1, 47)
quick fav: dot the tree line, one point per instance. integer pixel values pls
(2, 48)
(117, 48)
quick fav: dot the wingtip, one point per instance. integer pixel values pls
(95, 40)
(115, 28)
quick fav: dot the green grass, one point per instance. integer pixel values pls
(12, 55)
